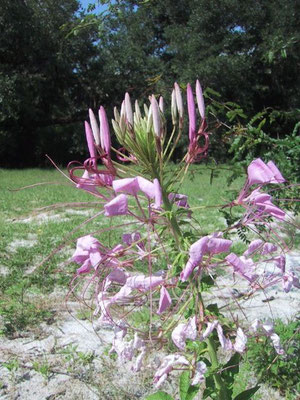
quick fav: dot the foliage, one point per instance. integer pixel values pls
(66, 60)
(281, 373)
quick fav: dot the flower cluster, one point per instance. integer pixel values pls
(176, 267)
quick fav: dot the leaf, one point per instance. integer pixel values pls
(160, 395)
(186, 390)
(191, 393)
(247, 394)
(184, 384)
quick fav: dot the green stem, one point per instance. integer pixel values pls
(173, 221)
(222, 391)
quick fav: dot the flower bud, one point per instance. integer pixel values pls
(161, 104)
(200, 99)
(137, 113)
(150, 119)
(104, 131)
(128, 110)
(191, 112)
(173, 108)
(179, 101)
(116, 114)
(95, 127)
(156, 117)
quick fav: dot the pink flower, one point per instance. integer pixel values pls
(206, 245)
(134, 185)
(253, 246)
(166, 367)
(200, 370)
(143, 283)
(289, 279)
(261, 204)
(280, 262)
(157, 194)
(209, 328)
(164, 300)
(240, 341)
(179, 199)
(261, 173)
(117, 206)
(268, 248)
(242, 266)
(258, 244)
(267, 329)
(183, 332)
(225, 342)
(87, 253)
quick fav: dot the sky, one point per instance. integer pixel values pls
(85, 4)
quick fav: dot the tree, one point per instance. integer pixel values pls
(43, 75)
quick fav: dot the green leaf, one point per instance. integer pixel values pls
(192, 391)
(184, 384)
(160, 395)
(247, 394)
(187, 391)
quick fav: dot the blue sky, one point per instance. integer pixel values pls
(85, 4)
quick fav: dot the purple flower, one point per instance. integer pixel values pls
(289, 279)
(164, 300)
(179, 199)
(280, 262)
(258, 244)
(87, 253)
(210, 327)
(243, 266)
(117, 206)
(240, 341)
(261, 204)
(143, 283)
(183, 332)
(261, 173)
(134, 185)
(253, 246)
(157, 194)
(166, 367)
(267, 329)
(200, 370)
(206, 245)
(225, 342)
